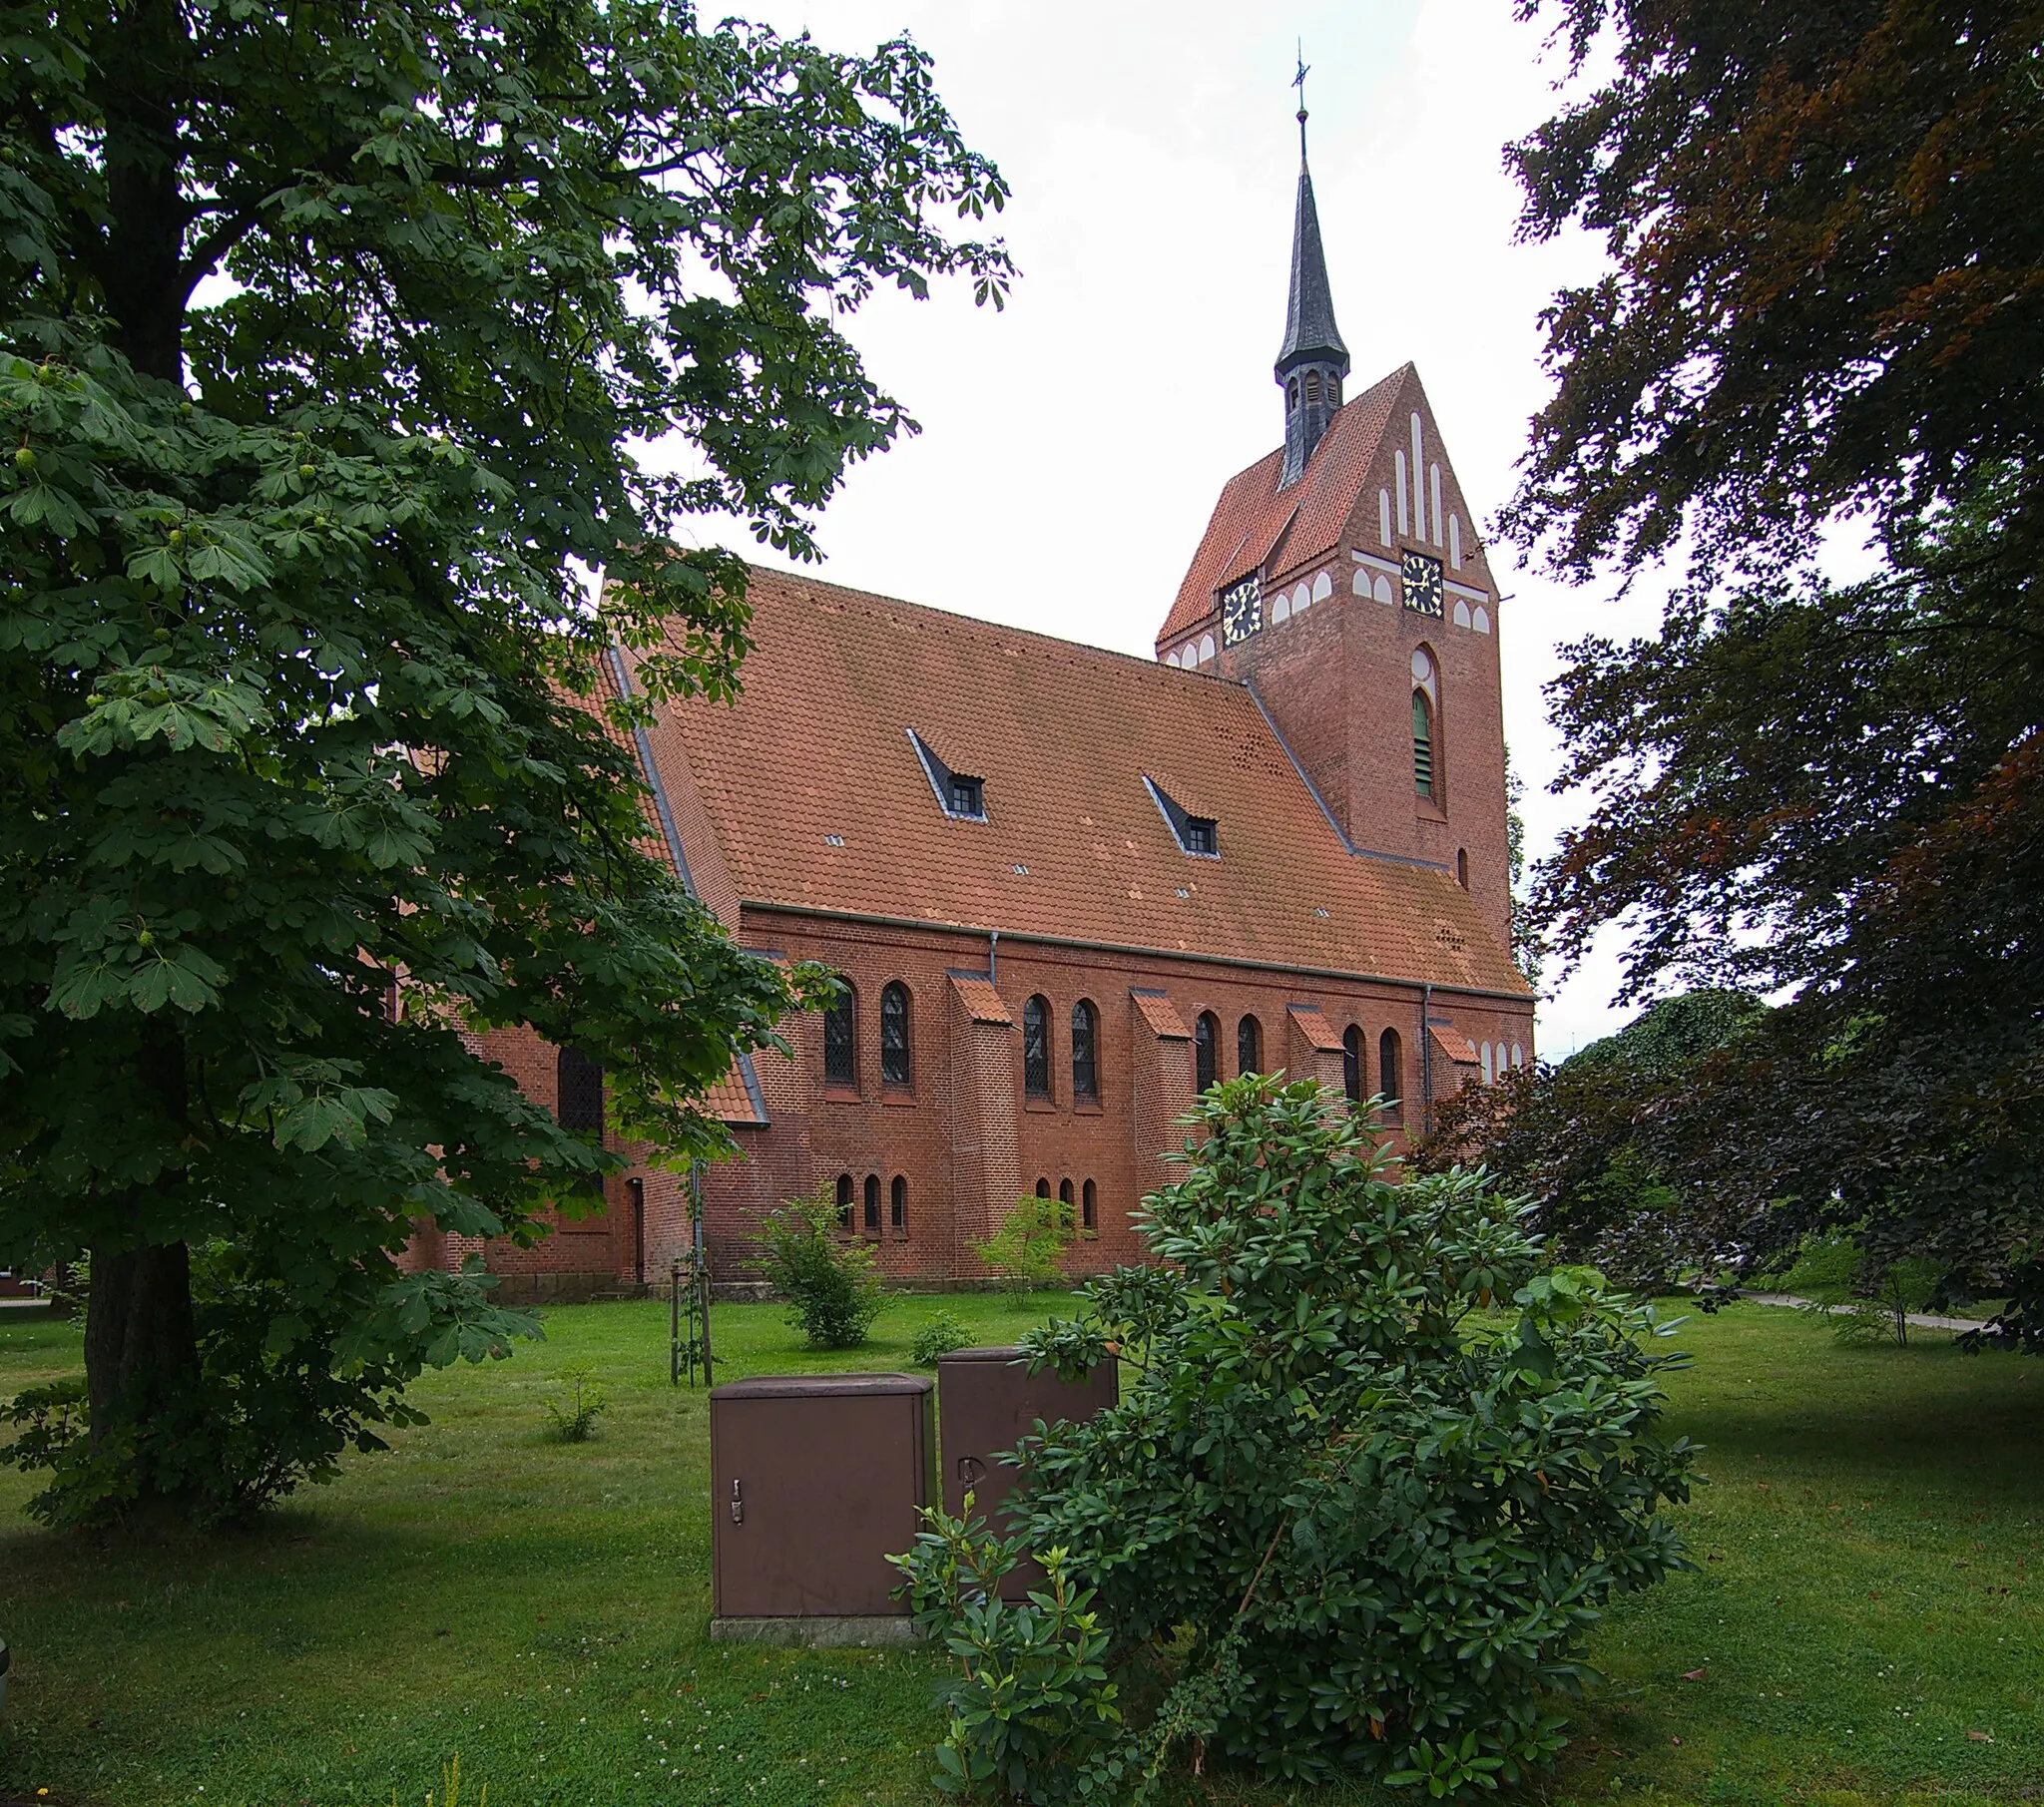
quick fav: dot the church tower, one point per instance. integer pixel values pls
(1342, 580)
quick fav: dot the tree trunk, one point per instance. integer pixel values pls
(141, 88)
(140, 1349)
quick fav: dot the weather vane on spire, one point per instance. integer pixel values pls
(1298, 82)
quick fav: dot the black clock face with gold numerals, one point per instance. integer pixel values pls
(1422, 576)
(1241, 610)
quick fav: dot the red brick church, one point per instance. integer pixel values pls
(1068, 888)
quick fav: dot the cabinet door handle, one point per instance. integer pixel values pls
(737, 1505)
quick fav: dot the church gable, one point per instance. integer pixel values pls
(1375, 486)
(1411, 499)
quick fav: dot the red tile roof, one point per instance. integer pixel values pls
(1454, 1044)
(813, 788)
(1161, 1014)
(1255, 525)
(982, 1003)
(730, 1100)
(1318, 1032)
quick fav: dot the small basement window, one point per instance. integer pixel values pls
(1196, 834)
(959, 795)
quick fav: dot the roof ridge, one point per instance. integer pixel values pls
(1148, 661)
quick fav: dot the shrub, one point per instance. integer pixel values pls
(1032, 1708)
(832, 1286)
(578, 1405)
(1028, 1251)
(1378, 1470)
(937, 1336)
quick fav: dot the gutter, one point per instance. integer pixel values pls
(1130, 950)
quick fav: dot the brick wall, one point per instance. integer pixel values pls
(961, 1134)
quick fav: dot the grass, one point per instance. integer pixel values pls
(1867, 1601)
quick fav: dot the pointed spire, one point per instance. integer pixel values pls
(1312, 360)
(1310, 330)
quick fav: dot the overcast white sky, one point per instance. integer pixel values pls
(1073, 445)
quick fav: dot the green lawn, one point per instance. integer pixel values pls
(1866, 1604)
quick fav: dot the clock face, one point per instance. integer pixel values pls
(1241, 610)
(1422, 576)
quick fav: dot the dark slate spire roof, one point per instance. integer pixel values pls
(1310, 336)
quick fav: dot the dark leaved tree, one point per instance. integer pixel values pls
(1825, 300)
(328, 334)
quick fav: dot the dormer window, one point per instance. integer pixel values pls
(960, 795)
(1196, 834)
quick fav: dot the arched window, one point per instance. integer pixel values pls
(1422, 745)
(840, 1039)
(1312, 387)
(1292, 393)
(1391, 1073)
(1085, 1049)
(579, 1092)
(1036, 1047)
(1206, 1033)
(897, 1213)
(578, 1104)
(1064, 1191)
(1462, 868)
(872, 1205)
(1089, 1207)
(845, 1202)
(1248, 1046)
(1489, 1074)
(1351, 1064)
(1043, 1188)
(894, 1067)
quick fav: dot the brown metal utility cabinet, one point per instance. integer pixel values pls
(816, 1480)
(988, 1401)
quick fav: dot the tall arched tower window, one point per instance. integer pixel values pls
(894, 1049)
(1391, 1073)
(1248, 1046)
(1036, 1047)
(1351, 1064)
(1206, 1033)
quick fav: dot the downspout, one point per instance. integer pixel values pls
(1426, 1058)
(993, 949)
